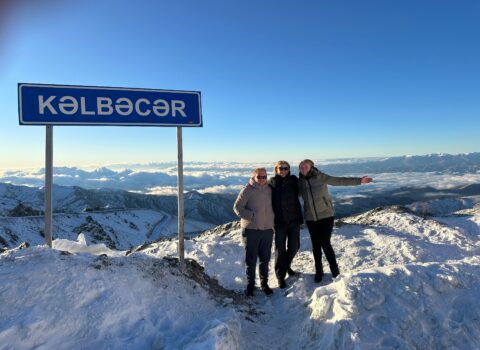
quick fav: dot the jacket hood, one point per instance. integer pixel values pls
(255, 184)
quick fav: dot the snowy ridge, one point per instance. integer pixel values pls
(444, 206)
(407, 282)
(425, 229)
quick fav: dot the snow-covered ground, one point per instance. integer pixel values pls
(407, 282)
(56, 300)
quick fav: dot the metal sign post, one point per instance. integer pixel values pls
(181, 246)
(45, 104)
(48, 184)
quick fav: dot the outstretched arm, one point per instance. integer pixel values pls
(344, 181)
(339, 181)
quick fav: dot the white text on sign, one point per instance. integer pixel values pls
(124, 106)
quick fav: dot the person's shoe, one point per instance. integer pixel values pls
(335, 272)
(291, 272)
(249, 291)
(281, 283)
(267, 290)
(318, 278)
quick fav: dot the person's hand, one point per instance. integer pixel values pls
(366, 179)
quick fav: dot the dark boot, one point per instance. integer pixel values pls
(267, 290)
(249, 292)
(281, 283)
(291, 272)
(335, 271)
(318, 277)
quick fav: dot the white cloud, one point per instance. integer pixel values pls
(213, 178)
(165, 191)
(222, 189)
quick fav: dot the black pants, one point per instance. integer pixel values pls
(287, 244)
(320, 233)
(258, 245)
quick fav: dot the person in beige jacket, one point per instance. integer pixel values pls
(254, 207)
(319, 213)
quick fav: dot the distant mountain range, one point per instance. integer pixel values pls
(459, 163)
(27, 201)
(401, 196)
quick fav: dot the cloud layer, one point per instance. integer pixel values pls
(161, 178)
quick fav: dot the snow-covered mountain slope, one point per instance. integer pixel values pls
(217, 208)
(118, 229)
(407, 282)
(207, 207)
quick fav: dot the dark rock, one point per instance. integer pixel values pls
(23, 210)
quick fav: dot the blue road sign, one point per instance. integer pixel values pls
(42, 104)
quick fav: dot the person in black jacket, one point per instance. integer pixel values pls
(288, 218)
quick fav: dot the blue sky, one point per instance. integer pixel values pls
(279, 79)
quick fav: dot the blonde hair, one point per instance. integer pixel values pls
(257, 170)
(279, 164)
